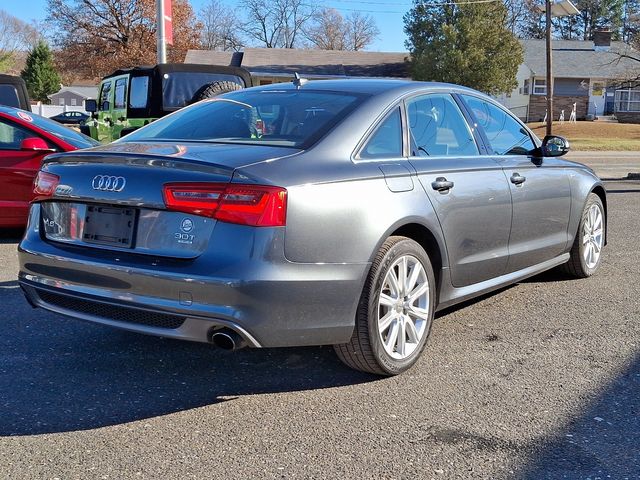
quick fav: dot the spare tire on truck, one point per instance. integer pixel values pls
(214, 89)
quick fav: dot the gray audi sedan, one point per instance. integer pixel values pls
(339, 213)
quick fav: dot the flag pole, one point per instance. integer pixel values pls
(160, 32)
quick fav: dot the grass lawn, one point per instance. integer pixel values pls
(595, 136)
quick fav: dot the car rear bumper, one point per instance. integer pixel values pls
(250, 288)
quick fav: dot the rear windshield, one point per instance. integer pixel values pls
(9, 96)
(289, 118)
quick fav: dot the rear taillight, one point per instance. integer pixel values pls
(256, 205)
(45, 185)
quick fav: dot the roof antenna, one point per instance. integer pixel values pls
(298, 81)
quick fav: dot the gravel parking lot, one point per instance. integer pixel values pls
(540, 380)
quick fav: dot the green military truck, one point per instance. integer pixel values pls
(131, 98)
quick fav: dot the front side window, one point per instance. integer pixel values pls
(438, 127)
(506, 135)
(105, 96)
(289, 118)
(139, 92)
(386, 142)
(120, 93)
(11, 136)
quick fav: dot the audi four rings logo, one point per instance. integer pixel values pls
(108, 183)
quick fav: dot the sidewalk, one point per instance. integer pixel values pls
(609, 164)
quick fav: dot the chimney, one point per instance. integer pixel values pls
(602, 40)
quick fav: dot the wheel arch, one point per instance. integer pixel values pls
(427, 239)
(599, 190)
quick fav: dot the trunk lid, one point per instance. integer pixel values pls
(112, 197)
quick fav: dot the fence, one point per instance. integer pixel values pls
(522, 112)
(51, 110)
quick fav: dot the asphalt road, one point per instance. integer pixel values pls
(540, 380)
(609, 165)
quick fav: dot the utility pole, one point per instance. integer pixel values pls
(549, 67)
(160, 32)
(553, 8)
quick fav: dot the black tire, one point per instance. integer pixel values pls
(365, 350)
(214, 89)
(577, 266)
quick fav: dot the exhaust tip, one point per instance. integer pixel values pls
(227, 340)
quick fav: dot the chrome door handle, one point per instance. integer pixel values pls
(517, 179)
(442, 185)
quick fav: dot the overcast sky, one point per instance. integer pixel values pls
(387, 14)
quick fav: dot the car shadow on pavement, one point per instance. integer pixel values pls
(550, 276)
(601, 441)
(59, 374)
(11, 235)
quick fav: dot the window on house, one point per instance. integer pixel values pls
(540, 86)
(526, 87)
(627, 100)
(73, 102)
(61, 101)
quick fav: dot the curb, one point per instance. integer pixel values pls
(630, 176)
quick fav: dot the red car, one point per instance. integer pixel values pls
(25, 139)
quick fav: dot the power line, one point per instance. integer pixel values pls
(444, 4)
(395, 4)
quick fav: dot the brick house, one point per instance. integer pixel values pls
(587, 73)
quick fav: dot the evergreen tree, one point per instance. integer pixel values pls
(40, 75)
(465, 43)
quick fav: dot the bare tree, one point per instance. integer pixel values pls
(331, 31)
(15, 36)
(361, 31)
(328, 31)
(221, 27)
(277, 23)
(96, 37)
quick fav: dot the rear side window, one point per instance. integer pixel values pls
(505, 134)
(139, 92)
(105, 97)
(120, 93)
(386, 142)
(438, 127)
(9, 96)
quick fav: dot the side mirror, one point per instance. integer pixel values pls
(35, 144)
(554, 146)
(91, 105)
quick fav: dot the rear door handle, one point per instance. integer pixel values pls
(442, 185)
(517, 179)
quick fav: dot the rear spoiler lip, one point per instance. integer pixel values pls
(159, 160)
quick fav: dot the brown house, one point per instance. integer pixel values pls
(587, 74)
(273, 65)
